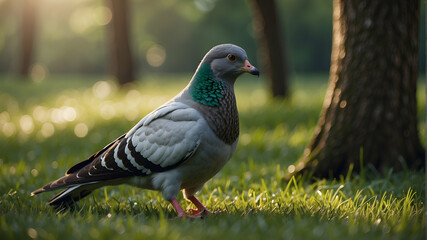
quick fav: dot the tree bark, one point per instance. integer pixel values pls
(270, 44)
(369, 114)
(121, 57)
(28, 29)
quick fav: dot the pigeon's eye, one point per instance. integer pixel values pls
(231, 57)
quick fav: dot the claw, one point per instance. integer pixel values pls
(194, 211)
(201, 208)
(200, 212)
(181, 213)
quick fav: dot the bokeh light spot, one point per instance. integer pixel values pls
(56, 115)
(156, 55)
(69, 113)
(8, 129)
(101, 89)
(26, 123)
(41, 114)
(102, 15)
(291, 169)
(81, 130)
(47, 130)
(34, 172)
(54, 164)
(38, 73)
(133, 96)
(32, 233)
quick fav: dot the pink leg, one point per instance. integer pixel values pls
(201, 209)
(181, 212)
(199, 205)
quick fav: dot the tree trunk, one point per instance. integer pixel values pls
(121, 57)
(28, 26)
(369, 112)
(270, 45)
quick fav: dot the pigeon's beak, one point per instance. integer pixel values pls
(249, 68)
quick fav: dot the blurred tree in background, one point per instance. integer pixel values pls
(370, 114)
(167, 35)
(121, 56)
(71, 34)
(27, 34)
(271, 46)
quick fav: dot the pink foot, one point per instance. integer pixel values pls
(200, 212)
(200, 207)
(180, 211)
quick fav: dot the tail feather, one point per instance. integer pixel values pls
(71, 195)
(81, 174)
(68, 196)
(67, 181)
(73, 192)
(84, 177)
(50, 187)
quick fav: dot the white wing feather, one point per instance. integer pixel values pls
(168, 134)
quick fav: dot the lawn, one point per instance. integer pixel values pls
(46, 127)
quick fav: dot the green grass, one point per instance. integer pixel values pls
(39, 124)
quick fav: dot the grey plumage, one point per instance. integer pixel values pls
(178, 146)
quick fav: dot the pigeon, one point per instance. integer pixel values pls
(179, 146)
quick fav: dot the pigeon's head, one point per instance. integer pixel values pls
(228, 61)
(218, 71)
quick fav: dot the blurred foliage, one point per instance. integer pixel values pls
(72, 37)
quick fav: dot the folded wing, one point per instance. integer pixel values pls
(159, 142)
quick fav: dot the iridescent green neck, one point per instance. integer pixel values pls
(205, 89)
